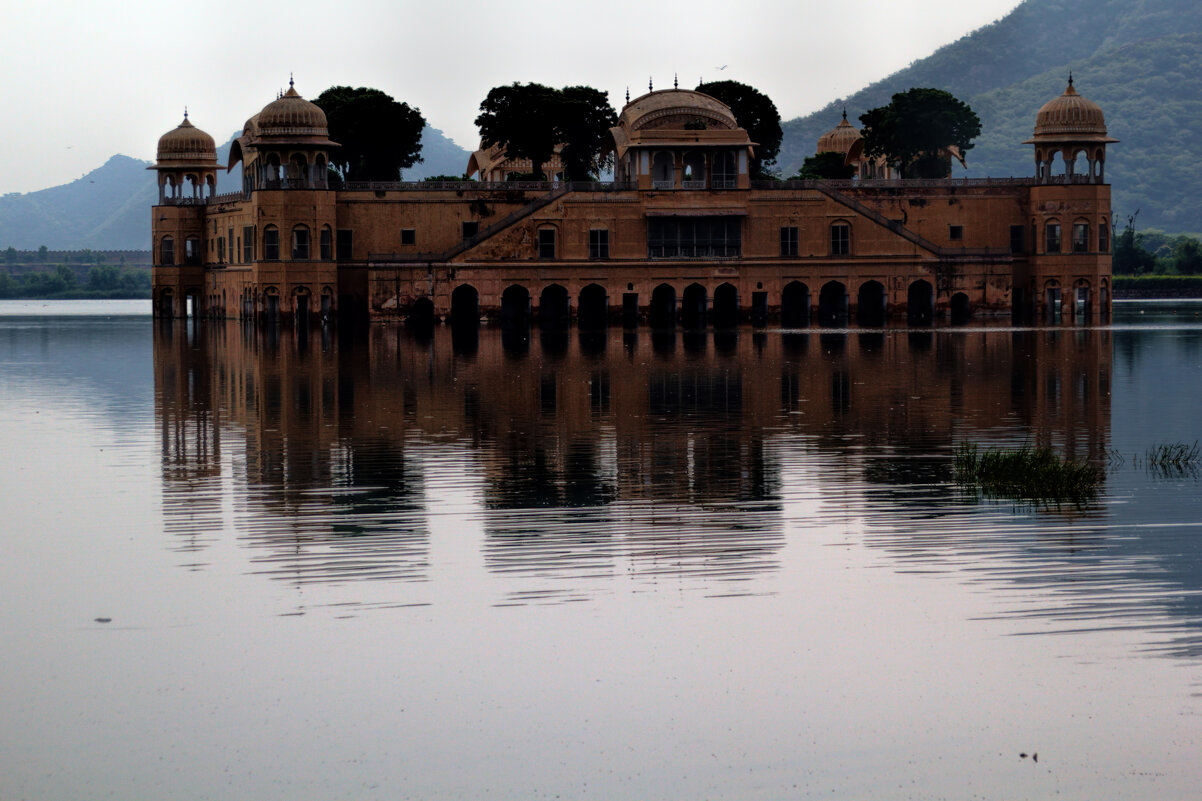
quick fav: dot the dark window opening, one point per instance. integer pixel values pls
(409, 236)
(167, 251)
(345, 243)
(1103, 238)
(300, 242)
(788, 240)
(220, 249)
(1016, 239)
(546, 243)
(598, 243)
(192, 250)
(955, 232)
(1053, 238)
(326, 244)
(840, 239)
(694, 237)
(470, 228)
(271, 244)
(248, 244)
(1080, 237)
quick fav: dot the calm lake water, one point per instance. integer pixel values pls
(239, 564)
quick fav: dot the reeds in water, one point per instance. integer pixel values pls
(1173, 459)
(1032, 474)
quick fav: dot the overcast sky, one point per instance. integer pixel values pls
(85, 80)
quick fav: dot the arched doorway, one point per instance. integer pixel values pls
(553, 308)
(300, 307)
(465, 306)
(832, 304)
(515, 304)
(920, 303)
(961, 308)
(662, 313)
(421, 314)
(692, 306)
(726, 306)
(593, 307)
(795, 305)
(871, 304)
(167, 303)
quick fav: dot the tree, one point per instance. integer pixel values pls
(530, 120)
(585, 118)
(755, 112)
(43, 253)
(378, 136)
(1187, 256)
(916, 129)
(10, 255)
(1130, 256)
(826, 166)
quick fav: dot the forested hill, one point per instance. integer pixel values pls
(109, 208)
(1136, 58)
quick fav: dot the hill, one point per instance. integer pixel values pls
(109, 208)
(1135, 59)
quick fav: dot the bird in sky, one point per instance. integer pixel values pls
(724, 66)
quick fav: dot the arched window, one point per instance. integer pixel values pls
(167, 251)
(840, 238)
(327, 243)
(271, 243)
(1103, 236)
(1052, 237)
(300, 242)
(192, 250)
(1080, 236)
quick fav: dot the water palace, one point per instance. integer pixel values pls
(681, 235)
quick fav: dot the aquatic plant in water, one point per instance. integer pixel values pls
(1026, 473)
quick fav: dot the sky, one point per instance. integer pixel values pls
(86, 80)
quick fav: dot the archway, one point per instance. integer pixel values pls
(871, 304)
(553, 307)
(693, 306)
(300, 307)
(167, 303)
(726, 306)
(832, 304)
(593, 307)
(795, 305)
(961, 308)
(515, 303)
(465, 306)
(421, 313)
(662, 313)
(920, 303)
(1081, 298)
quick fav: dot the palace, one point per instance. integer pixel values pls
(681, 235)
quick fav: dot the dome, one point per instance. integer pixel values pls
(840, 138)
(673, 108)
(291, 115)
(187, 143)
(1070, 115)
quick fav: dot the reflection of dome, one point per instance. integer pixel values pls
(1070, 114)
(674, 108)
(839, 139)
(187, 143)
(291, 115)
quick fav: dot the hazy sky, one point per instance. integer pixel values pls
(85, 80)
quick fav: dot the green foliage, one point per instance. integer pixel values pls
(43, 253)
(1155, 252)
(1031, 474)
(10, 255)
(444, 178)
(755, 112)
(531, 119)
(915, 130)
(379, 136)
(102, 282)
(1158, 286)
(826, 166)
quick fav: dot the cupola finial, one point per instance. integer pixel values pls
(290, 85)
(650, 86)
(845, 113)
(1070, 77)
(675, 80)
(185, 112)
(627, 95)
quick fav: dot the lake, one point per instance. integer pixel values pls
(243, 563)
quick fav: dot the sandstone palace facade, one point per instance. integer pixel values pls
(682, 235)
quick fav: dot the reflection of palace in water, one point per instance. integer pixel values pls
(669, 449)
